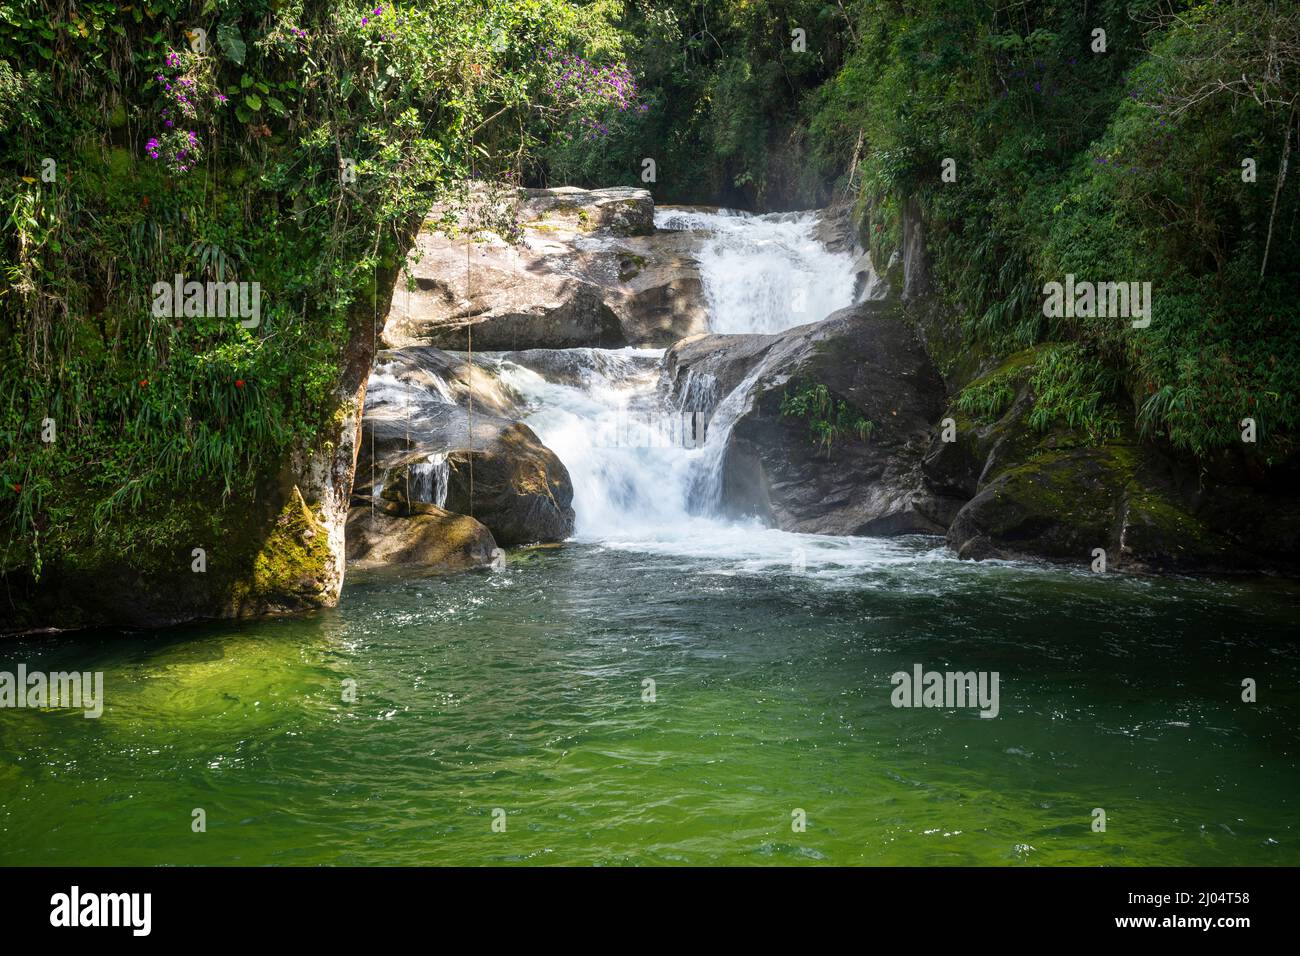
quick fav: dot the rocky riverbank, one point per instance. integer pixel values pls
(872, 420)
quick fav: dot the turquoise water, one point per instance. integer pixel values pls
(522, 691)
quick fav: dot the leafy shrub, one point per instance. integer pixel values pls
(987, 399)
(830, 421)
(1073, 389)
(245, 184)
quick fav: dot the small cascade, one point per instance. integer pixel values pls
(699, 393)
(765, 273)
(429, 480)
(706, 486)
(388, 387)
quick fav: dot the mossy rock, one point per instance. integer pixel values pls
(385, 534)
(1158, 535)
(295, 559)
(121, 164)
(1063, 503)
(1058, 506)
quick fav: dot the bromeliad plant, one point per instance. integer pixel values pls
(830, 420)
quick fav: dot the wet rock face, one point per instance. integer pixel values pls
(590, 270)
(578, 367)
(917, 281)
(837, 230)
(866, 357)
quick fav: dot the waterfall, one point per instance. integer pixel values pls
(429, 480)
(631, 471)
(636, 474)
(646, 473)
(765, 273)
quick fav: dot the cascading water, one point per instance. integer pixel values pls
(429, 480)
(646, 476)
(764, 273)
(641, 478)
(629, 474)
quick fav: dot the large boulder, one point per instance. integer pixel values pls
(513, 483)
(493, 469)
(617, 210)
(587, 268)
(883, 393)
(1065, 504)
(1058, 506)
(1057, 493)
(384, 534)
(656, 292)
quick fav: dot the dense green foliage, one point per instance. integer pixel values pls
(139, 154)
(1116, 162)
(297, 147)
(1122, 165)
(723, 85)
(1076, 390)
(987, 399)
